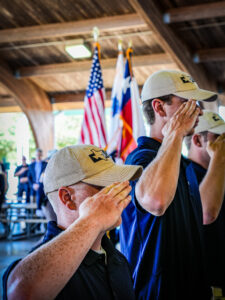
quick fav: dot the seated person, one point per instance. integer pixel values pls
(76, 260)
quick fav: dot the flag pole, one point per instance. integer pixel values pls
(95, 32)
(128, 55)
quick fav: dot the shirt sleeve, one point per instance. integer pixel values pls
(5, 278)
(141, 158)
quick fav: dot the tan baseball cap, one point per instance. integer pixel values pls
(88, 164)
(210, 121)
(166, 82)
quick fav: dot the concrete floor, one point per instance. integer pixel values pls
(12, 250)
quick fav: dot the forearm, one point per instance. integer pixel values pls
(156, 188)
(212, 189)
(43, 273)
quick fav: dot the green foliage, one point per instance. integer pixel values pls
(7, 146)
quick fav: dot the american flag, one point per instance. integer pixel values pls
(93, 130)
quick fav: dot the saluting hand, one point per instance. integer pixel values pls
(217, 148)
(106, 206)
(184, 119)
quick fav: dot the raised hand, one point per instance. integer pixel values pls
(106, 206)
(183, 120)
(217, 148)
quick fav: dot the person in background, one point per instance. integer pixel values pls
(3, 183)
(161, 231)
(23, 182)
(76, 259)
(211, 132)
(35, 173)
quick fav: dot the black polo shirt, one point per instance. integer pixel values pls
(214, 240)
(94, 279)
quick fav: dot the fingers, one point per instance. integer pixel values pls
(108, 188)
(123, 204)
(118, 188)
(221, 137)
(190, 108)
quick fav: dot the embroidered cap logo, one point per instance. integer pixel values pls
(186, 79)
(98, 155)
(216, 118)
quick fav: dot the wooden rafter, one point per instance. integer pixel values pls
(170, 42)
(71, 67)
(181, 55)
(35, 104)
(209, 55)
(195, 12)
(105, 24)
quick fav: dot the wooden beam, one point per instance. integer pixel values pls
(68, 101)
(180, 53)
(72, 97)
(10, 108)
(7, 100)
(209, 55)
(195, 12)
(105, 24)
(71, 67)
(35, 104)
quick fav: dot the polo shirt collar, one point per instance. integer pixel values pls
(147, 142)
(53, 230)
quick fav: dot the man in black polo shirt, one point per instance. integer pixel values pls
(76, 260)
(211, 130)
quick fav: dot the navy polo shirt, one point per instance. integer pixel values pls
(165, 253)
(25, 174)
(94, 279)
(214, 240)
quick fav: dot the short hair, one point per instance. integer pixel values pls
(39, 150)
(148, 110)
(188, 138)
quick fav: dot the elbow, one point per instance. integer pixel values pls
(153, 205)
(18, 290)
(209, 217)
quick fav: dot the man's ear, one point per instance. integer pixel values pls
(158, 107)
(65, 197)
(196, 138)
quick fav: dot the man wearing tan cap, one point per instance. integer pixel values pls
(210, 133)
(161, 228)
(76, 260)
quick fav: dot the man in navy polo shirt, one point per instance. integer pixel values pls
(161, 231)
(211, 129)
(23, 182)
(76, 260)
(35, 174)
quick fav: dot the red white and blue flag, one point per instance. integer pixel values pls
(93, 130)
(130, 112)
(116, 97)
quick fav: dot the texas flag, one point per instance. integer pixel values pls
(130, 112)
(115, 122)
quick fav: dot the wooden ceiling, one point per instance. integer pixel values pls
(38, 76)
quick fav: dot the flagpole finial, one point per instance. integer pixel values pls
(120, 45)
(95, 33)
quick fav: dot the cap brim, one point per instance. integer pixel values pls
(198, 94)
(218, 129)
(116, 173)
